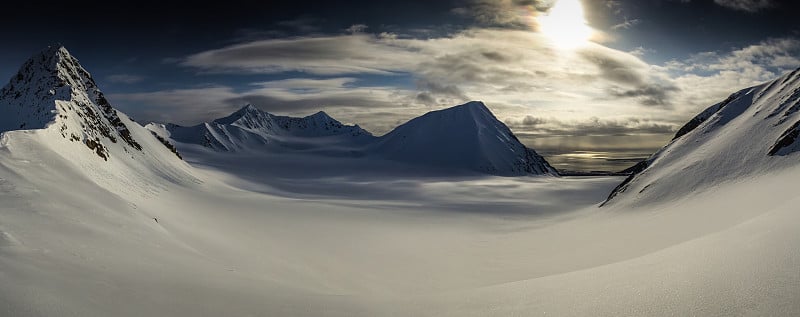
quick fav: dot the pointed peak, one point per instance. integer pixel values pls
(244, 110)
(51, 55)
(248, 110)
(249, 107)
(474, 104)
(472, 107)
(320, 115)
(55, 49)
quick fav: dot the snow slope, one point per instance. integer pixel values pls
(753, 132)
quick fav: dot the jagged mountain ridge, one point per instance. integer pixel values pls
(753, 131)
(250, 127)
(465, 137)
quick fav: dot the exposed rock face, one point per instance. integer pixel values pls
(52, 90)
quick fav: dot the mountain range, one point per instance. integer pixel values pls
(467, 137)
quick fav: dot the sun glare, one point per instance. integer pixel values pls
(565, 25)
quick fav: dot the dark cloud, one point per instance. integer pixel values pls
(614, 68)
(501, 13)
(652, 95)
(530, 125)
(532, 121)
(426, 98)
(496, 56)
(439, 89)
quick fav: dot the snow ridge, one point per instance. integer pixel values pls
(752, 132)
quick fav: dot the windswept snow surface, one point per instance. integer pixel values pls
(287, 234)
(473, 246)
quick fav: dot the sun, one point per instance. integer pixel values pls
(565, 25)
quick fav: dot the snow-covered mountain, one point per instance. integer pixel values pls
(465, 137)
(250, 128)
(53, 105)
(752, 132)
(462, 138)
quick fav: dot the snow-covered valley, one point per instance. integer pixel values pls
(226, 245)
(312, 232)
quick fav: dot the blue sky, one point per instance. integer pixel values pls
(648, 66)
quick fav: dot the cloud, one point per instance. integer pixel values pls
(292, 96)
(512, 70)
(747, 5)
(124, 78)
(357, 28)
(322, 55)
(641, 51)
(518, 73)
(648, 95)
(514, 14)
(626, 24)
(537, 126)
(620, 68)
(709, 77)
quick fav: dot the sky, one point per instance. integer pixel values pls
(591, 84)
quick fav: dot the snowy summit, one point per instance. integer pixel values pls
(466, 136)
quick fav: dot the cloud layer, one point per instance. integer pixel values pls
(382, 79)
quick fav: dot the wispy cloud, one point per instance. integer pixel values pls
(292, 96)
(323, 55)
(124, 78)
(707, 77)
(531, 125)
(747, 5)
(626, 24)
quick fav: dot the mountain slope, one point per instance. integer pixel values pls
(54, 104)
(250, 128)
(463, 137)
(752, 132)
